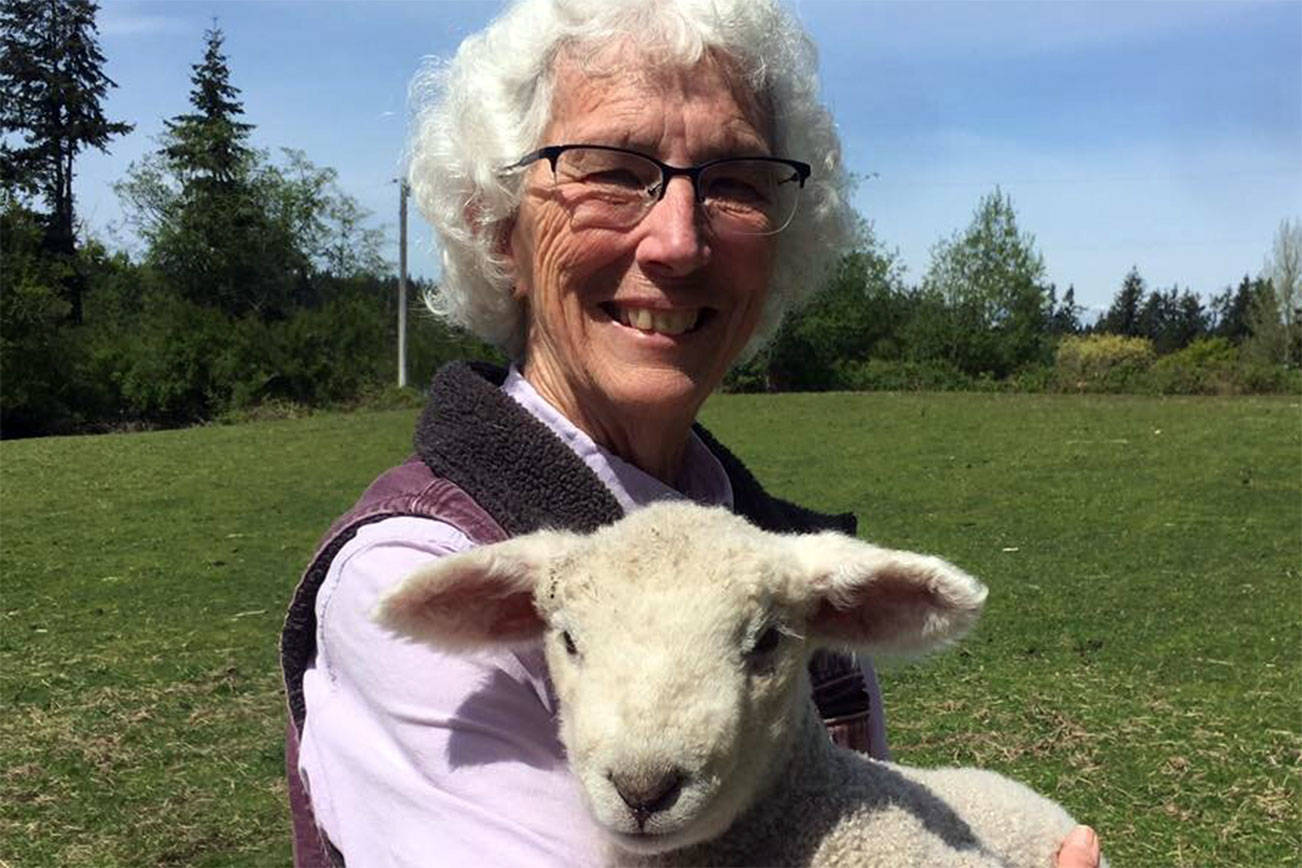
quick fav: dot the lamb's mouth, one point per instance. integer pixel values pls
(647, 841)
(665, 322)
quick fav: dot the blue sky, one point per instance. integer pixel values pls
(1166, 135)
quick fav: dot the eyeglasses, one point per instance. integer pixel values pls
(613, 188)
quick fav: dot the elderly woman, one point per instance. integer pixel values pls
(627, 196)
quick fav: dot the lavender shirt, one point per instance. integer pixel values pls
(415, 757)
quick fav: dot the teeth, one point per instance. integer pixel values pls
(665, 322)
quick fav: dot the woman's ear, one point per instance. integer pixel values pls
(508, 247)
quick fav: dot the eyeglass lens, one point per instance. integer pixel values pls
(615, 190)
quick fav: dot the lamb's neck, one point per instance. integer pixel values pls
(807, 756)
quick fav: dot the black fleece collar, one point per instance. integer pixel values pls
(513, 466)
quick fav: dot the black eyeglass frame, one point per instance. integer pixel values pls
(552, 153)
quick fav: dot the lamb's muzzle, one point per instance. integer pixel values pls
(647, 794)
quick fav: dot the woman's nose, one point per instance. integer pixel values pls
(674, 238)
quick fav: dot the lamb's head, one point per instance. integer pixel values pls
(677, 640)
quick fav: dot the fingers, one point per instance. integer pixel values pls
(1080, 849)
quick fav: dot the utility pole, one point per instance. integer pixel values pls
(402, 283)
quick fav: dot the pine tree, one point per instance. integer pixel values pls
(1064, 318)
(207, 147)
(1232, 310)
(52, 85)
(211, 228)
(1123, 317)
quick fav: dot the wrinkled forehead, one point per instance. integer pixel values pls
(606, 87)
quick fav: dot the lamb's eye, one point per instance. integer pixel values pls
(767, 641)
(570, 647)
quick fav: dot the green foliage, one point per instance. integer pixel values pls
(1171, 319)
(902, 375)
(1276, 318)
(52, 82)
(1271, 339)
(1122, 318)
(1208, 366)
(226, 227)
(188, 362)
(36, 344)
(207, 147)
(854, 317)
(1102, 363)
(1231, 310)
(204, 206)
(987, 284)
(170, 372)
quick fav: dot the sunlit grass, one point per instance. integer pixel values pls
(1140, 660)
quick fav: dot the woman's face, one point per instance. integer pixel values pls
(641, 323)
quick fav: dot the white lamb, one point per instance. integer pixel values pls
(678, 641)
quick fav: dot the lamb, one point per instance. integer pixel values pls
(678, 640)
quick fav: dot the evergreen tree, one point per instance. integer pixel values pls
(52, 85)
(1190, 321)
(207, 203)
(207, 147)
(1064, 318)
(1123, 317)
(1232, 310)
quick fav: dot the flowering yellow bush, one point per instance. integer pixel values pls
(1102, 363)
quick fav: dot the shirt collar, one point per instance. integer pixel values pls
(702, 478)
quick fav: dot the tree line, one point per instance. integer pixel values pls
(261, 285)
(984, 316)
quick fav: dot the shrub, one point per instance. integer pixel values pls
(1208, 366)
(1102, 363)
(172, 369)
(1032, 378)
(885, 375)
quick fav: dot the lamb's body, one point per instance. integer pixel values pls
(678, 641)
(832, 807)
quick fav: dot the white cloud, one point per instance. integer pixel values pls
(115, 23)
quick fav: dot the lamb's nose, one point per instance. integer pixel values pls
(647, 792)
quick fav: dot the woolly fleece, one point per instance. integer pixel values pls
(678, 640)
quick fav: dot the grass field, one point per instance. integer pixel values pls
(1140, 660)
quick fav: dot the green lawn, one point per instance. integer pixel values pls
(1140, 660)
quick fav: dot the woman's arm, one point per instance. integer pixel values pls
(416, 757)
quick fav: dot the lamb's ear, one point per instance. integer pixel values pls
(476, 599)
(883, 600)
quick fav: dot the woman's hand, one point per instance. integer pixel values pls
(1080, 849)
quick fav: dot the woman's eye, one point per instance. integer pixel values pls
(570, 647)
(621, 178)
(767, 641)
(735, 190)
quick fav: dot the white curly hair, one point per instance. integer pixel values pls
(491, 102)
